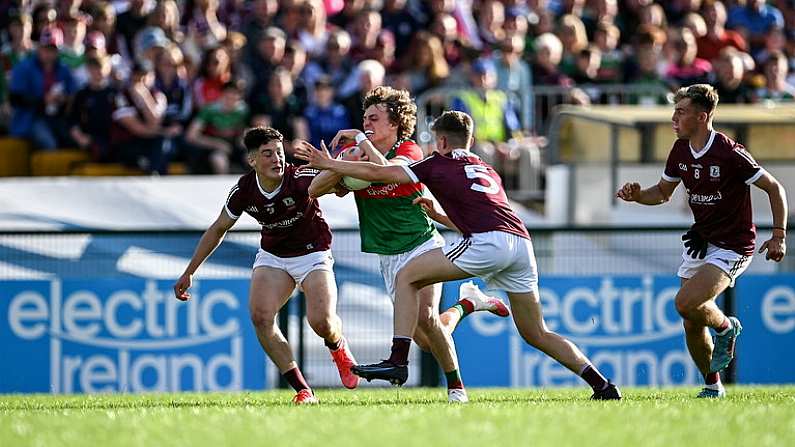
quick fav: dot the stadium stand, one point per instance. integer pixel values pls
(121, 82)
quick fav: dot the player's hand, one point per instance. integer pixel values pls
(630, 192)
(776, 248)
(316, 158)
(345, 134)
(428, 206)
(695, 244)
(182, 285)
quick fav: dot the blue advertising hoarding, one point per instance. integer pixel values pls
(127, 335)
(130, 335)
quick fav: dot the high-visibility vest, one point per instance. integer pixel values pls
(488, 115)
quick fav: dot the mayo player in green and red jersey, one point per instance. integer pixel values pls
(394, 226)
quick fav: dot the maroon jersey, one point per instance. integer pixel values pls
(292, 224)
(469, 190)
(717, 180)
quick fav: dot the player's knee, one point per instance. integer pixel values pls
(263, 318)
(322, 326)
(683, 305)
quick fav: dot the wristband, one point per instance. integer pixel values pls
(361, 136)
(780, 228)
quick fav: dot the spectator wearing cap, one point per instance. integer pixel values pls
(73, 51)
(41, 86)
(137, 135)
(214, 72)
(129, 23)
(148, 44)
(325, 116)
(754, 21)
(91, 111)
(717, 37)
(216, 131)
(94, 47)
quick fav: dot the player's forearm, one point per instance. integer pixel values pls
(652, 196)
(445, 220)
(373, 154)
(362, 170)
(324, 183)
(209, 241)
(778, 205)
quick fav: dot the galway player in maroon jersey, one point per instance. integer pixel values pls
(494, 246)
(717, 173)
(295, 249)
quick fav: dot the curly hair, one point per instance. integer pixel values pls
(257, 136)
(401, 110)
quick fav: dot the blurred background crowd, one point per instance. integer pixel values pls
(144, 83)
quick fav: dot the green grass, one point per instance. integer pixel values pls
(759, 416)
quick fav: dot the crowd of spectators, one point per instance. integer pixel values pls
(145, 82)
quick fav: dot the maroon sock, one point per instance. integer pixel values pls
(723, 326)
(454, 380)
(296, 379)
(400, 351)
(712, 378)
(594, 378)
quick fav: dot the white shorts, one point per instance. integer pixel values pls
(734, 264)
(503, 260)
(298, 267)
(391, 264)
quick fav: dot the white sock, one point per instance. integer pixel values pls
(717, 386)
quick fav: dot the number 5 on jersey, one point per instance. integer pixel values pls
(481, 172)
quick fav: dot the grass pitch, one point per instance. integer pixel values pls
(759, 416)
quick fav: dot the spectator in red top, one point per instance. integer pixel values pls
(687, 69)
(718, 37)
(215, 71)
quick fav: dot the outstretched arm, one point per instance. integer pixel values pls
(210, 240)
(437, 215)
(320, 159)
(655, 195)
(776, 246)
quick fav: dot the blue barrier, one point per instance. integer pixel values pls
(130, 335)
(127, 335)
